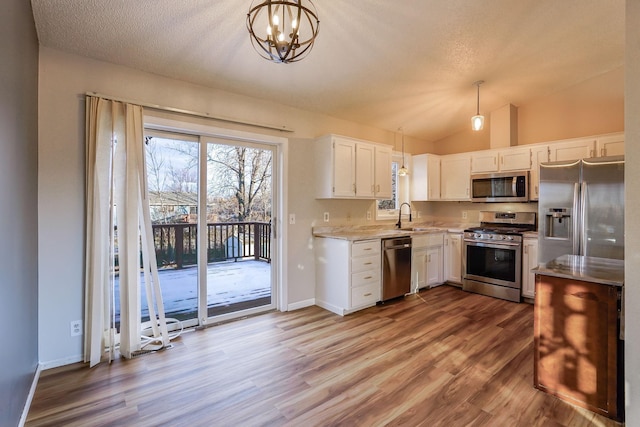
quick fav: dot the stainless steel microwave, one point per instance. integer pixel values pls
(500, 187)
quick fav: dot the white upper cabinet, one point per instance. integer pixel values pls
(611, 145)
(382, 171)
(352, 169)
(425, 177)
(455, 174)
(539, 154)
(484, 161)
(510, 159)
(572, 150)
(365, 173)
(515, 159)
(335, 167)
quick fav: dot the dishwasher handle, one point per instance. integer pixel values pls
(400, 246)
(396, 243)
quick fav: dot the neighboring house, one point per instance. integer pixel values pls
(173, 207)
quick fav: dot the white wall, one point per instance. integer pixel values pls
(18, 207)
(64, 80)
(632, 207)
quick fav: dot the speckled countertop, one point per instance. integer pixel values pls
(589, 269)
(386, 231)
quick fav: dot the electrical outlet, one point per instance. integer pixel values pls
(464, 214)
(76, 328)
(368, 215)
(326, 217)
(419, 214)
(292, 219)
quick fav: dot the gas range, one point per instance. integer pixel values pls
(492, 256)
(497, 226)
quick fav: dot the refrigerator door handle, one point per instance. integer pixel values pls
(575, 217)
(583, 219)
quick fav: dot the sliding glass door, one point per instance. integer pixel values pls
(218, 265)
(239, 205)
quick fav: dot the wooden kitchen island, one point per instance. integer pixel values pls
(578, 334)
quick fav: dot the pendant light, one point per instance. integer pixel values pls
(283, 31)
(403, 171)
(477, 121)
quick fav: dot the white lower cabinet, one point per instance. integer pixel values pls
(529, 261)
(426, 260)
(453, 258)
(348, 274)
(434, 266)
(418, 267)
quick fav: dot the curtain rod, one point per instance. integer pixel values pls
(192, 113)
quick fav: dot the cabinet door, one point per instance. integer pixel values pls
(573, 150)
(515, 159)
(529, 261)
(344, 168)
(434, 266)
(484, 161)
(365, 163)
(433, 177)
(425, 177)
(539, 154)
(455, 177)
(382, 172)
(453, 258)
(611, 145)
(418, 268)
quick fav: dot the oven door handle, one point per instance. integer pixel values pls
(491, 244)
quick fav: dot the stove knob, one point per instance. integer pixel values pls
(509, 237)
(498, 237)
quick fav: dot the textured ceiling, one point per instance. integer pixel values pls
(377, 62)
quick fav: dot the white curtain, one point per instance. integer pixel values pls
(116, 177)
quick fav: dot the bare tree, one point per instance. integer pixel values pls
(238, 177)
(242, 173)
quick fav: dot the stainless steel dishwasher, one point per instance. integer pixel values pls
(396, 267)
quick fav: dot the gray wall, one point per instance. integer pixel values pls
(18, 207)
(632, 206)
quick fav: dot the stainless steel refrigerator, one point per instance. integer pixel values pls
(581, 208)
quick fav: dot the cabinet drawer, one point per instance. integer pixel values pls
(425, 240)
(365, 247)
(363, 295)
(365, 277)
(365, 263)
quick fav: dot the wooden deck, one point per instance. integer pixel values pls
(443, 357)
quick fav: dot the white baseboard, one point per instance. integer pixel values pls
(32, 392)
(301, 304)
(61, 362)
(333, 308)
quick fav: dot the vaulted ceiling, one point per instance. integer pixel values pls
(387, 64)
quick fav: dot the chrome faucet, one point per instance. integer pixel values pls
(399, 223)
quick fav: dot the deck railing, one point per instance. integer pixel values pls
(176, 244)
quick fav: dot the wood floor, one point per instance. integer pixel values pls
(443, 357)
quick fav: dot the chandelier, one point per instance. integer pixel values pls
(283, 30)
